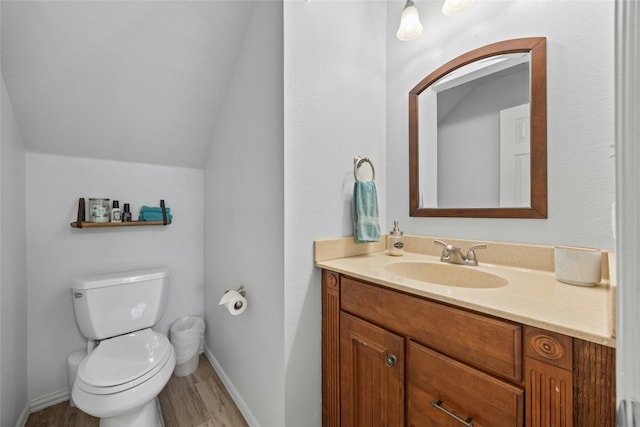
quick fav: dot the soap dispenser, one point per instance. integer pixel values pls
(396, 244)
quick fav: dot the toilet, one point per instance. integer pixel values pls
(128, 363)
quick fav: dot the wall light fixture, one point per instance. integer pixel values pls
(453, 7)
(410, 26)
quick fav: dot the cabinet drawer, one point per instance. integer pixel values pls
(484, 342)
(434, 379)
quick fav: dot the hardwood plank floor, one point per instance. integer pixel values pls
(196, 400)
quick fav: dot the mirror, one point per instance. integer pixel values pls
(478, 134)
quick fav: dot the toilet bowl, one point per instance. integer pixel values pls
(124, 374)
(120, 379)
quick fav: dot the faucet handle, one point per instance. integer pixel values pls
(471, 254)
(440, 242)
(446, 247)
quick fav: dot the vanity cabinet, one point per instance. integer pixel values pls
(394, 359)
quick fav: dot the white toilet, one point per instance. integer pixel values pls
(120, 378)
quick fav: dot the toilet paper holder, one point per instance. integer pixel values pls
(242, 291)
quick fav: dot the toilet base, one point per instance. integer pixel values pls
(147, 416)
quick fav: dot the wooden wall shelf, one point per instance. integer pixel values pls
(85, 224)
(81, 223)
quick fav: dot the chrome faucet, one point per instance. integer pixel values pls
(453, 254)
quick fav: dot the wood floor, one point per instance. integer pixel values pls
(196, 400)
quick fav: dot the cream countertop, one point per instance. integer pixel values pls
(532, 297)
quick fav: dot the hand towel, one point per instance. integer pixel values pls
(153, 209)
(153, 216)
(148, 213)
(365, 212)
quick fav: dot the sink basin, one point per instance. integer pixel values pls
(447, 275)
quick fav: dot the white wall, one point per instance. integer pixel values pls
(13, 280)
(580, 116)
(56, 253)
(245, 227)
(335, 98)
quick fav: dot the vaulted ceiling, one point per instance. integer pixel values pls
(140, 81)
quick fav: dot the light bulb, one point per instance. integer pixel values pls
(410, 26)
(453, 7)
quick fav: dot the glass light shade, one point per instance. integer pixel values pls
(453, 7)
(410, 26)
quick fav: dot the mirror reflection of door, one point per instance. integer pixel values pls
(515, 157)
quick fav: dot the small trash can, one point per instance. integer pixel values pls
(187, 336)
(73, 362)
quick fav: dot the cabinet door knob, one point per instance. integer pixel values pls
(391, 360)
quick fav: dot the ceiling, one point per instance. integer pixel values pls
(140, 81)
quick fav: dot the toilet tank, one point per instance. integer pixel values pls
(114, 304)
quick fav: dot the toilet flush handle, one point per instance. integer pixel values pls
(78, 294)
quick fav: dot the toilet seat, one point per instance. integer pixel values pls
(123, 362)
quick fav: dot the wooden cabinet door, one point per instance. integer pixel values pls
(371, 374)
(442, 392)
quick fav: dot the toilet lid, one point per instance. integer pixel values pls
(124, 358)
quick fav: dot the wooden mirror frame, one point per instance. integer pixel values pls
(537, 47)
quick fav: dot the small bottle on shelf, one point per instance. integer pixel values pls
(126, 215)
(116, 213)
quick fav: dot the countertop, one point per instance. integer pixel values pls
(532, 297)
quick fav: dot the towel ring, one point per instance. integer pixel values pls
(359, 161)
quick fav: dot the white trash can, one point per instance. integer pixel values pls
(73, 362)
(187, 336)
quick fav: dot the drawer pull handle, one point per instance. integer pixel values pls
(391, 360)
(438, 405)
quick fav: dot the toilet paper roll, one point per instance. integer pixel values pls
(234, 302)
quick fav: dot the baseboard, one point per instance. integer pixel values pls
(48, 400)
(24, 416)
(237, 399)
(41, 403)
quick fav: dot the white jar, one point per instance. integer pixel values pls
(98, 210)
